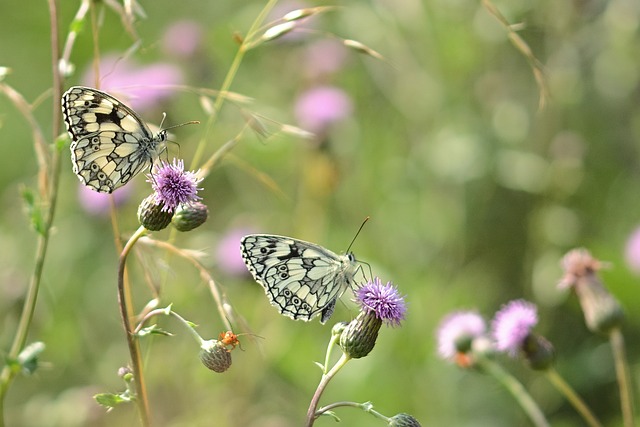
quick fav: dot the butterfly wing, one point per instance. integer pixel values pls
(301, 279)
(109, 142)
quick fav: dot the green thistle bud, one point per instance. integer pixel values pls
(359, 337)
(215, 356)
(190, 216)
(403, 420)
(338, 328)
(539, 352)
(151, 216)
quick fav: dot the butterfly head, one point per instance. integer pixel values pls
(162, 135)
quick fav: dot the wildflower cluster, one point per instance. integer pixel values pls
(174, 200)
(463, 337)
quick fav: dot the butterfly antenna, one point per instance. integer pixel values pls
(192, 122)
(164, 116)
(358, 232)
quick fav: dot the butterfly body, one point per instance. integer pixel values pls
(110, 144)
(301, 279)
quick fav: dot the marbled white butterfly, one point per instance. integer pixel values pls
(110, 144)
(301, 279)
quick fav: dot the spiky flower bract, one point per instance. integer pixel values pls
(152, 214)
(215, 355)
(188, 217)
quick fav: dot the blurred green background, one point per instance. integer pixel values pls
(474, 193)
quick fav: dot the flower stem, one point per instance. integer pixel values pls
(134, 348)
(169, 312)
(622, 372)
(517, 390)
(311, 413)
(48, 192)
(366, 407)
(563, 387)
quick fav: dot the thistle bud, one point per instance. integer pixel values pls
(151, 215)
(215, 356)
(403, 420)
(359, 337)
(188, 217)
(538, 352)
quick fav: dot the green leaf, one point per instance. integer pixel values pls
(110, 400)
(153, 330)
(28, 358)
(33, 211)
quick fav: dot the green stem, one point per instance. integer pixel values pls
(517, 390)
(624, 379)
(367, 407)
(334, 340)
(563, 387)
(168, 312)
(228, 80)
(311, 412)
(49, 193)
(132, 341)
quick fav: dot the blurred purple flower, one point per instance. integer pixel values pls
(320, 107)
(228, 255)
(512, 325)
(173, 185)
(324, 57)
(457, 331)
(141, 87)
(182, 39)
(98, 204)
(384, 300)
(632, 251)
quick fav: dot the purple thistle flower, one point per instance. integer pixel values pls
(173, 185)
(457, 331)
(512, 325)
(384, 300)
